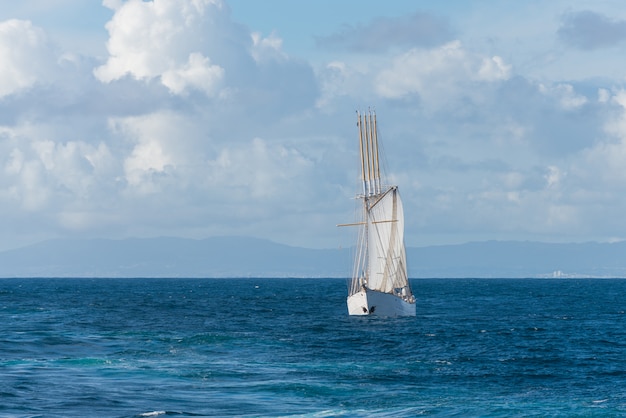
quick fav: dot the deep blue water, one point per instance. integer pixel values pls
(286, 347)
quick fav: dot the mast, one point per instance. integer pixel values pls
(360, 126)
(369, 153)
(368, 149)
(376, 161)
(374, 152)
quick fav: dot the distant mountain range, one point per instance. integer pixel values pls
(252, 257)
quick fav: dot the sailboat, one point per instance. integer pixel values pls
(379, 284)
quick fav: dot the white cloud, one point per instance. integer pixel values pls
(116, 155)
(112, 4)
(31, 190)
(606, 160)
(438, 74)
(270, 46)
(161, 144)
(553, 176)
(261, 171)
(565, 94)
(163, 39)
(338, 80)
(41, 175)
(197, 73)
(494, 68)
(15, 162)
(25, 56)
(170, 151)
(197, 125)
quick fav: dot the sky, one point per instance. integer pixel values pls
(499, 120)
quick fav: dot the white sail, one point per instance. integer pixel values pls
(387, 256)
(380, 283)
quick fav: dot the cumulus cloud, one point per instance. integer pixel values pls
(587, 188)
(267, 48)
(553, 176)
(383, 33)
(583, 194)
(565, 95)
(164, 126)
(195, 125)
(438, 73)
(196, 73)
(190, 46)
(41, 174)
(338, 80)
(173, 154)
(260, 170)
(160, 147)
(590, 30)
(606, 159)
(163, 39)
(25, 55)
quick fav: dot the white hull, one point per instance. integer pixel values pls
(371, 302)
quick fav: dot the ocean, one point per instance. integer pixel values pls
(287, 348)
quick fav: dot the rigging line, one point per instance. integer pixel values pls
(360, 273)
(360, 261)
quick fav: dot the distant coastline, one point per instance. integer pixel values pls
(252, 257)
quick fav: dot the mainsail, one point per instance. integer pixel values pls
(387, 257)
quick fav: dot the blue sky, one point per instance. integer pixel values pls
(194, 118)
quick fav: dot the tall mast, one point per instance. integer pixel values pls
(374, 157)
(369, 153)
(368, 149)
(376, 166)
(360, 126)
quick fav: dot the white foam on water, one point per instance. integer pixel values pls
(152, 414)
